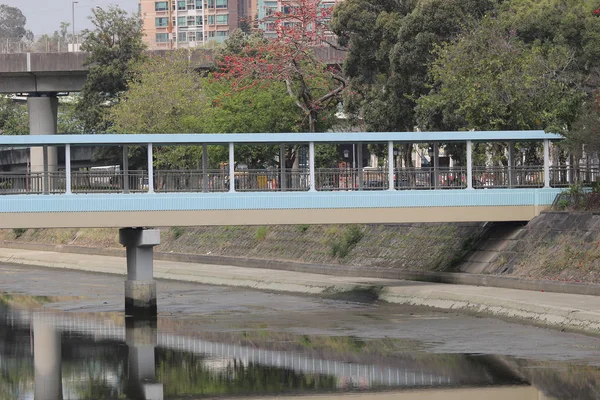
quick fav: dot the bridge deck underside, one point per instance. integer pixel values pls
(189, 209)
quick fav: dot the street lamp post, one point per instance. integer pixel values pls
(73, 24)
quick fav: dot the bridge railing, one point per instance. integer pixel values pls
(275, 180)
(32, 182)
(506, 177)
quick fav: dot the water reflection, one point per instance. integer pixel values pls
(55, 356)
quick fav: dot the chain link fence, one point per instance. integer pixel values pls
(41, 44)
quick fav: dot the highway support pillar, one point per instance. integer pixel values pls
(46, 359)
(141, 338)
(43, 120)
(140, 287)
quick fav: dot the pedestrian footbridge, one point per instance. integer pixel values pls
(51, 194)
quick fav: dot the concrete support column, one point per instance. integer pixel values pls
(141, 338)
(547, 163)
(469, 165)
(46, 360)
(436, 165)
(43, 117)
(311, 166)
(283, 179)
(511, 164)
(359, 159)
(140, 288)
(231, 168)
(391, 183)
(125, 169)
(204, 168)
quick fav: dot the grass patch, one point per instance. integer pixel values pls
(18, 232)
(302, 228)
(177, 231)
(341, 248)
(261, 232)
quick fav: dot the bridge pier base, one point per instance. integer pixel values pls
(140, 287)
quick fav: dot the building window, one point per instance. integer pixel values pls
(182, 37)
(191, 36)
(210, 20)
(198, 4)
(222, 33)
(181, 5)
(191, 21)
(161, 6)
(223, 19)
(162, 38)
(199, 21)
(162, 21)
(210, 3)
(181, 21)
(221, 3)
(211, 33)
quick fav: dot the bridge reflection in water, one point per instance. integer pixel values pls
(81, 358)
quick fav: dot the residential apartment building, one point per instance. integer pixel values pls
(173, 24)
(266, 8)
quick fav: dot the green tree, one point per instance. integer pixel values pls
(114, 44)
(12, 23)
(529, 67)
(390, 47)
(191, 103)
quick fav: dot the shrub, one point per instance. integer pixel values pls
(341, 248)
(177, 231)
(302, 228)
(18, 232)
(261, 232)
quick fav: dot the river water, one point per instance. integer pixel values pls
(63, 336)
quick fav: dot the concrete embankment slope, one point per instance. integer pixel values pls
(556, 246)
(557, 310)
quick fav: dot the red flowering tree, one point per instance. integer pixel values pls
(291, 56)
(597, 11)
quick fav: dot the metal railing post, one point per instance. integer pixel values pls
(359, 164)
(469, 165)
(546, 163)
(150, 169)
(436, 165)
(391, 183)
(283, 175)
(46, 181)
(231, 168)
(311, 166)
(125, 169)
(204, 168)
(68, 169)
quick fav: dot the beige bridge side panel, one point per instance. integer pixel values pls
(268, 217)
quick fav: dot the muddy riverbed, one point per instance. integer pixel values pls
(64, 334)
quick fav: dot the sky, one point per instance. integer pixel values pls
(45, 16)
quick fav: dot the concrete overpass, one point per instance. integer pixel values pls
(67, 72)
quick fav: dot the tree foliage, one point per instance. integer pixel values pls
(289, 58)
(114, 44)
(12, 23)
(390, 47)
(530, 66)
(190, 103)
